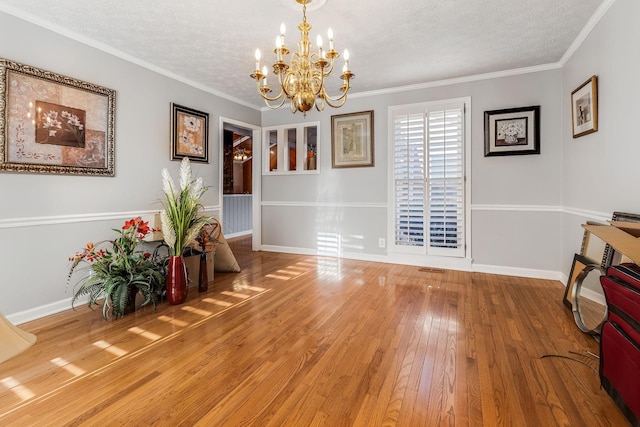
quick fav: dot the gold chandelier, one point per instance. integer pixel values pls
(302, 81)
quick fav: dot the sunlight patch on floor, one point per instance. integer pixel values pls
(235, 294)
(243, 285)
(16, 388)
(196, 311)
(292, 271)
(217, 302)
(308, 264)
(176, 322)
(275, 276)
(67, 366)
(289, 273)
(116, 351)
(331, 267)
(143, 333)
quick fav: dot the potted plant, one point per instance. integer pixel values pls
(116, 271)
(181, 223)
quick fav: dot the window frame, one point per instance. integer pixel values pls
(423, 253)
(282, 145)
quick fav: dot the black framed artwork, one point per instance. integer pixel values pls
(513, 131)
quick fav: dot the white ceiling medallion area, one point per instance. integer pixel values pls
(311, 5)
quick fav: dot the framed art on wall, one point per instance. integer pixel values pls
(189, 134)
(53, 123)
(514, 131)
(352, 140)
(584, 108)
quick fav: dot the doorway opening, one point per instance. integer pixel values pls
(239, 178)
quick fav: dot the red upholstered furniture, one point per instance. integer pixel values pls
(620, 339)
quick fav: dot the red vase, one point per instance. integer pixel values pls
(176, 280)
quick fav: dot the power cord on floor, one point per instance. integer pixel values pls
(588, 354)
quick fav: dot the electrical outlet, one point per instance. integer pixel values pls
(381, 242)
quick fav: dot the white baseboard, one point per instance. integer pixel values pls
(42, 311)
(315, 252)
(238, 234)
(462, 264)
(518, 272)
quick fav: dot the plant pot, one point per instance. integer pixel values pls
(176, 280)
(130, 306)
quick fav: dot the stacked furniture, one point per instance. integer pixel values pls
(620, 339)
(620, 333)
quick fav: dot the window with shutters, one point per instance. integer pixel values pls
(428, 177)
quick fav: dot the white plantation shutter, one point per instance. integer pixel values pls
(428, 178)
(445, 179)
(409, 170)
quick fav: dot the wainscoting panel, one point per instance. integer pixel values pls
(237, 216)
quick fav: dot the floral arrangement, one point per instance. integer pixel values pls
(512, 128)
(181, 222)
(116, 272)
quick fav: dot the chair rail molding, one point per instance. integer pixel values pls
(77, 218)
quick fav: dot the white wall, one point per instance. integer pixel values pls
(44, 219)
(601, 171)
(526, 210)
(508, 193)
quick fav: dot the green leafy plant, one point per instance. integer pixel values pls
(180, 217)
(116, 272)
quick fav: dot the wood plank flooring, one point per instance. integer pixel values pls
(298, 340)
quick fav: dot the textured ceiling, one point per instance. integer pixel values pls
(392, 43)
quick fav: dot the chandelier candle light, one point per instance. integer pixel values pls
(302, 81)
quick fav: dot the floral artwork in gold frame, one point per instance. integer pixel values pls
(54, 124)
(352, 140)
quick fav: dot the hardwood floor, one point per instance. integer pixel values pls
(316, 341)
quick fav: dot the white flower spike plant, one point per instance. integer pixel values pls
(180, 220)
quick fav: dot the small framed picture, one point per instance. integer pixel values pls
(513, 131)
(189, 134)
(584, 108)
(352, 140)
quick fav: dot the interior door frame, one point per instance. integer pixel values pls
(256, 175)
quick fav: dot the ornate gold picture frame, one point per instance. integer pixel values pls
(50, 123)
(352, 140)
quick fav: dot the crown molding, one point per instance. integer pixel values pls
(591, 24)
(119, 54)
(459, 80)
